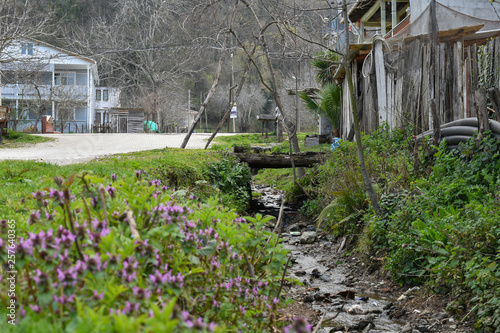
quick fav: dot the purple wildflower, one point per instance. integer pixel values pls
(96, 296)
(34, 216)
(93, 263)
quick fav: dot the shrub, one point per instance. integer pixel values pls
(445, 231)
(232, 178)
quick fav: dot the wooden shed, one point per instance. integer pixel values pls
(125, 120)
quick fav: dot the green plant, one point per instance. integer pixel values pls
(444, 230)
(232, 178)
(329, 103)
(120, 254)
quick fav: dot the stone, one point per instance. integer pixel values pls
(294, 227)
(355, 309)
(363, 323)
(422, 328)
(324, 278)
(439, 316)
(308, 237)
(315, 273)
(308, 299)
(388, 306)
(406, 329)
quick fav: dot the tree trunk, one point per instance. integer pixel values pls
(355, 117)
(240, 86)
(214, 84)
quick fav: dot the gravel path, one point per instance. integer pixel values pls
(81, 148)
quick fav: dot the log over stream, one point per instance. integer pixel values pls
(277, 161)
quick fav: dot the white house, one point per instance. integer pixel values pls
(106, 98)
(41, 79)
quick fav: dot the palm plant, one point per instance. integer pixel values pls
(329, 102)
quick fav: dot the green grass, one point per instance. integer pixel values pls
(18, 139)
(18, 179)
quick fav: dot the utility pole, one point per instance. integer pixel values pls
(232, 82)
(189, 108)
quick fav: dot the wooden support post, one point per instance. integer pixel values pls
(362, 32)
(482, 112)
(494, 94)
(381, 80)
(383, 19)
(394, 13)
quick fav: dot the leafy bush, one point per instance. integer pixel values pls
(232, 178)
(445, 231)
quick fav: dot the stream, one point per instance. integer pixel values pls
(336, 289)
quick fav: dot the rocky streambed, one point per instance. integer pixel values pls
(339, 292)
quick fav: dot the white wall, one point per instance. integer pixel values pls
(453, 14)
(482, 9)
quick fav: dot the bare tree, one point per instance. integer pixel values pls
(250, 102)
(144, 48)
(20, 19)
(66, 99)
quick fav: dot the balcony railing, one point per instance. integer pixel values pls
(45, 92)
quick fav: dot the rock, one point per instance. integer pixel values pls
(300, 273)
(439, 316)
(315, 273)
(308, 299)
(324, 278)
(422, 328)
(349, 294)
(311, 228)
(308, 237)
(406, 329)
(411, 291)
(363, 323)
(355, 309)
(402, 298)
(294, 227)
(388, 306)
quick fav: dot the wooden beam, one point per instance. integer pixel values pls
(371, 12)
(261, 161)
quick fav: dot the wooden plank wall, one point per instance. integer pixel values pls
(135, 121)
(462, 68)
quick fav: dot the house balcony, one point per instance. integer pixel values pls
(45, 92)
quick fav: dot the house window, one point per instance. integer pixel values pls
(64, 78)
(27, 48)
(98, 95)
(104, 95)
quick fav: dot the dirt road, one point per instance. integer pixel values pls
(80, 148)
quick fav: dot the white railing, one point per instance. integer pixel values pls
(28, 92)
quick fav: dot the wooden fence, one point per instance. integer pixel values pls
(396, 83)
